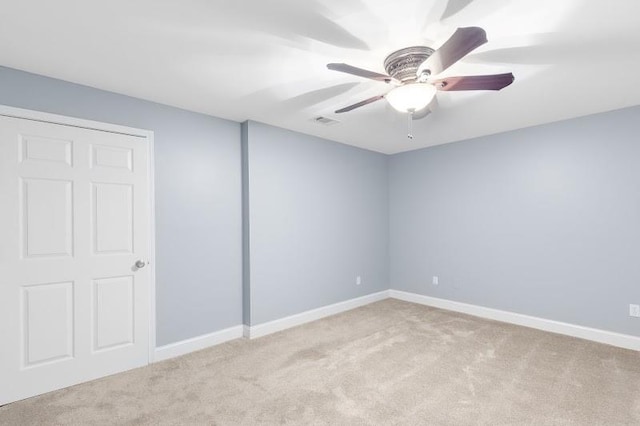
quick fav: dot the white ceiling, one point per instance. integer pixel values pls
(265, 60)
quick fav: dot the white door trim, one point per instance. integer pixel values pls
(46, 117)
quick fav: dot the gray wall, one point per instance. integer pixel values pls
(542, 221)
(198, 198)
(319, 217)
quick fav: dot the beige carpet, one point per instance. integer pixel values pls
(389, 363)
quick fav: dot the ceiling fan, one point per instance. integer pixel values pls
(412, 69)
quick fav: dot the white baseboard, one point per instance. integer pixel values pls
(270, 327)
(197, 343)
(601, 336)
(202, 342)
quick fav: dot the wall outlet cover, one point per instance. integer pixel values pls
(634, 310)
(435, 280)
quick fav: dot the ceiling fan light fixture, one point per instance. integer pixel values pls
(411, 97)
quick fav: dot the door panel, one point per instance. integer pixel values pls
(112, 157)
(113, 312)
(49, 234)
(48, 323)
(74, 220)
(38, 149)
(113, 218)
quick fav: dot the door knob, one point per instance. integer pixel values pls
(140, 264)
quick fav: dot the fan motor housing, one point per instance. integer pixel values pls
(403, 64)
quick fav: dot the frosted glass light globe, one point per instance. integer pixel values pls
(411, 97)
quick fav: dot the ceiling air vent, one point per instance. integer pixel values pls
(325, 121)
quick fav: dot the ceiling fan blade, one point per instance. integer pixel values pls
(359, 104)
(463, 41)
(474, 82)
(360, 72)
(426, 110)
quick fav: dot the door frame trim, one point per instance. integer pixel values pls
(8, 111)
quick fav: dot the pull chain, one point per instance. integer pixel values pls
(409, 125)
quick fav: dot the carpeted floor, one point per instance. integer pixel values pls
(389, 363)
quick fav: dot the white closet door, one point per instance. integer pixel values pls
(74, 220)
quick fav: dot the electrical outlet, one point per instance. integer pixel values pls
(435, 280)
(634, 311)
(358, 280)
